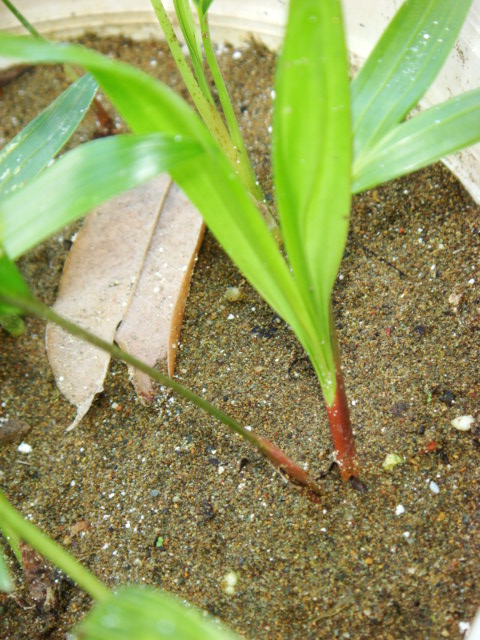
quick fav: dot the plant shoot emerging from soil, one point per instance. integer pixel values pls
(331, 139)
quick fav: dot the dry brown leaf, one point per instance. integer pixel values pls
(98, 280)
(152, 324)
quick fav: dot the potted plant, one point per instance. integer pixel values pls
(327, 403)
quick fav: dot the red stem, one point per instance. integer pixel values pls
(288, 469)
(342, 434)
(339, 418)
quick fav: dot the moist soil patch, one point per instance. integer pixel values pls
(164, 495)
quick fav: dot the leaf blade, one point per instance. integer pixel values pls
(146, 104)
(192, 40)
(6, 584)
(403, 64)
(312, 153)
(32, 149)
(82, 179)
(143, 612)
(10, 278)
(212, 185)
(425, 138)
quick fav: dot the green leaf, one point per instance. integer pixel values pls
(12, 281)
(146, 104)
(82, 179)
(211, 183)
(425, 138)
(6, 584)
(192, 40)
(16, 528)
(312, 151)
(402, 66)
(203, 6)
(144, 613)
(32, 149)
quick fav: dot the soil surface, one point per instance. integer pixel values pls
(164, 495)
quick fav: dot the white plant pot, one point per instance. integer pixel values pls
(236, 21)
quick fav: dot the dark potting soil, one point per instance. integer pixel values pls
(164, 495)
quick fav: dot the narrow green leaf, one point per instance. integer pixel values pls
(232, 216)
(192, 40)
(146, 104)
(211, 184)
(203, 6)
(16, 528)
(21, 18)
(425, 138)
(402, 66)
(32, 149)
(144, 613)
(205, 106)
(82, 179)
(9, 533)
(10, 277)
(6, 584)
(312, 150)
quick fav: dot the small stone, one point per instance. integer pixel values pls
(463, 423)
(447, 396)
(434, 488)
(399, 510)
(23, 447)
(463, 627)
(454, 299)
(391, 461)
(229, 582)
(420, 330)
(233, 294)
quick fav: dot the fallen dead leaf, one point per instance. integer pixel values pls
(152, 228)
(151, 327)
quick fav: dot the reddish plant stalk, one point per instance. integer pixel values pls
(287, 468)
(339, 418)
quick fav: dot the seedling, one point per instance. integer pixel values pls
(331, 139)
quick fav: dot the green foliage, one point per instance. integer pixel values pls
(398, 72)
(10, 277)
(29, 152)
(5, 580)
(313, 139)
(402, 66)
(83, 178)
(421, 140)
(148, 614)
(203, 6)
(320, 121)
(193, 42)
(313, 180)
(131, 612)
